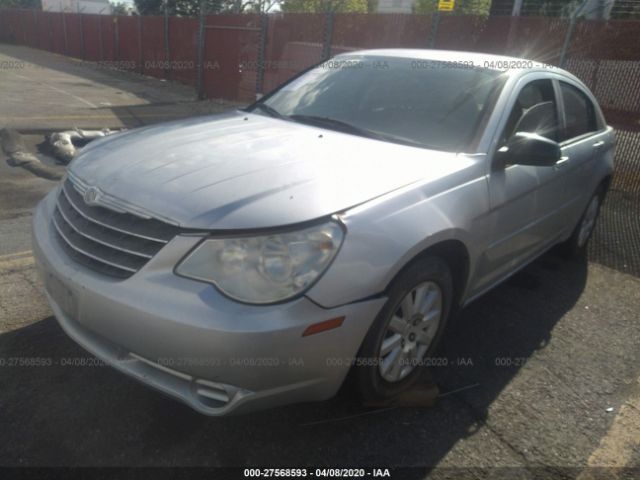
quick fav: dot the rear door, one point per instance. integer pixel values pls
(583, 138)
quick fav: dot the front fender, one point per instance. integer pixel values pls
(385, 235)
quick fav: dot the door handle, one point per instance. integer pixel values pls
(562, 162)
(598, 144)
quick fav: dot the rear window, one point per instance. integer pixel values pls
(579, 112)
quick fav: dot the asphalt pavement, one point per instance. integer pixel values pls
(542, 374)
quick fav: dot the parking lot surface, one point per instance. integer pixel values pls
(542, 375)
(45, 91)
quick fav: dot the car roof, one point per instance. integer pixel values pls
(493, 62)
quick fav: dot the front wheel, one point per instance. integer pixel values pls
(406, 331)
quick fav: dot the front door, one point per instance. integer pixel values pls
(524, 199)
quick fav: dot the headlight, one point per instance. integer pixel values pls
(267, 268)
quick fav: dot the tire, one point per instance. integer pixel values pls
(576, 244)
(431, 278)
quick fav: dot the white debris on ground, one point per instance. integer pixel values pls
(64, 144)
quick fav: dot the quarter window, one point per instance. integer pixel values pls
(579, 112)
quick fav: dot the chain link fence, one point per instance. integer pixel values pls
(239, 56)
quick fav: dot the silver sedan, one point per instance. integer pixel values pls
(255, 258)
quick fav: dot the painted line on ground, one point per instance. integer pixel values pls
(12, 264)
(59, 90)
(13, 256)
(617, 447)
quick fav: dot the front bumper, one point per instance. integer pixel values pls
(186, 339)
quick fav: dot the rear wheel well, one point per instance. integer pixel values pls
(456, 256)
(605, 184)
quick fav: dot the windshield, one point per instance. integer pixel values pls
(418, 102)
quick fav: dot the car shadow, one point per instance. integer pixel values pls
(71, 411)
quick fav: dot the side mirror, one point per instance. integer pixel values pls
(530, 149)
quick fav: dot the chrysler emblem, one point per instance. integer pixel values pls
(91, 195)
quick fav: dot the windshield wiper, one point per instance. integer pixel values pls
(336, 124)
(345, 127)
(269, 110)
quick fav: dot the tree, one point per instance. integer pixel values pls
(119, 8)
(550, 8)
(21, 4)
(462, 7)
(257, 6)
(184, 8)
(319, 6)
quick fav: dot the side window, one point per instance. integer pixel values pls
(534, 112)
(578, 111)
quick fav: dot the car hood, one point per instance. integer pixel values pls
(243, 170)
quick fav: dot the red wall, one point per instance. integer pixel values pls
(605, 55)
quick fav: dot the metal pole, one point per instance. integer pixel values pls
(567, 37)
(116, 36)
(517, 8)
(100, 45)
(328, 35)
(594, 76)
(140, 65)
(264, 25)
(24, 26)
(200, 53)
(35, 28)
(435, 23)
(513, 24)
(167, 70)
(51, 45)
(64, 30)
(81, 31)
(567, 40)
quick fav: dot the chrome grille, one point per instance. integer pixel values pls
(113, 243)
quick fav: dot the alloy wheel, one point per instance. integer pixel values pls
(410, 331)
